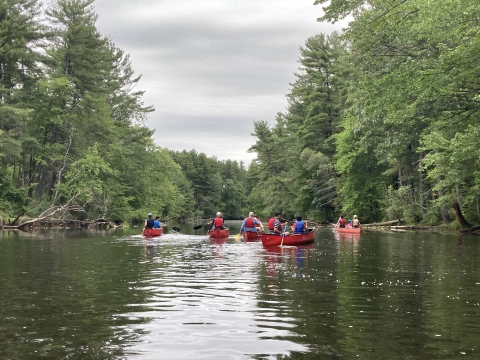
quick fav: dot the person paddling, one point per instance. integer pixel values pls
(341, 222)
(250, 223)
(299, 226)
(156, 223)
(217, 223)
(275, 225)
(149, 221)
(356, 222)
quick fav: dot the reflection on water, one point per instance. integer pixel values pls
(117, 295)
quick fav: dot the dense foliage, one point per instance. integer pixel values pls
(72, 137)
(383, 120)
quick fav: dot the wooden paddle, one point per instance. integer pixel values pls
(284, 231)
(211, 226)
(261, 225)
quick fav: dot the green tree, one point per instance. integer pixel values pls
(414, 93)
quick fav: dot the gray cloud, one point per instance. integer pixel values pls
(211, 67)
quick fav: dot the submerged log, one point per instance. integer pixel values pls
(63, 223)
(386, 223)
(412, 227)
(470, 230)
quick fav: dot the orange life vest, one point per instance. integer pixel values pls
(270, 224)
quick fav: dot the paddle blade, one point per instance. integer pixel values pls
(176, 229)
(198, 227)
(236, 237)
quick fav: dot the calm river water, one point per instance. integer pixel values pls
(114, 295)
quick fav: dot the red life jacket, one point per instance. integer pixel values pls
(218, 222)
(270, 224)
(249, 222)
(342, 222)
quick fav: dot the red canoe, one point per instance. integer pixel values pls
(152, 232)
(294, 239)
(251, 235)
(348, 230)
(219, 233)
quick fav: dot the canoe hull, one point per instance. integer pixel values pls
(348, 230)
(292, 240)
(152, 232)
(251, 235)
(219, 233)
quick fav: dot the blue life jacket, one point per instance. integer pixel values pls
(299, 227)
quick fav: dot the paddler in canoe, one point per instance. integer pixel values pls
(356, 222)
(251, 224)
(149, 222)
(156, 223)
(216, 223)
(341, 222)
(299, 226)
(275, 225)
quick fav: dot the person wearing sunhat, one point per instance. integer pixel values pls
(250, 223)
(356, 222)
(149, 221)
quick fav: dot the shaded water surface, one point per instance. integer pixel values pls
(116, 295)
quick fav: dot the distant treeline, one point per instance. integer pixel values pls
(382, 122)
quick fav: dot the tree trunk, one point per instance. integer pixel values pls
(459, 195)
(400, 177)
(478, 207)
(398, 217)
(47, 180)
(411, 195)
(421, 185)
(443, 208)
(458, 213)
(411, 190)
(16, 219)
(47, 173)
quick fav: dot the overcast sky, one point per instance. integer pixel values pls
(211, 67)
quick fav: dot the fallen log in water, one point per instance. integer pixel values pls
(469, 230)
(412, 227)
(62, 223)
(386, 223)
(9, 227)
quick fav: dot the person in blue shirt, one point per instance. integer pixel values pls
(156, 223)
(299, 226)
(250, 223)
